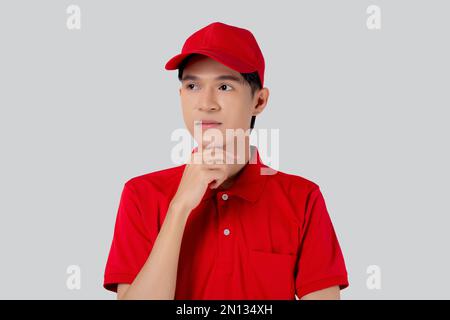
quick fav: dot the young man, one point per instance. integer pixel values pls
(214, 230)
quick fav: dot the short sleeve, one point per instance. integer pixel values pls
(131, 244)
(320, 260)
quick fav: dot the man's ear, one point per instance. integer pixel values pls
(179, 90)
(260, 101)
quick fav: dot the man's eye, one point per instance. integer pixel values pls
(190, 86)
(225, 86)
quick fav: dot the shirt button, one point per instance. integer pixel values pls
(225, 196)
(226, 232)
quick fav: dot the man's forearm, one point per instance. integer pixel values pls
(157, 278)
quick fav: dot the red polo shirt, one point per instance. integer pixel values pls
(265, 237)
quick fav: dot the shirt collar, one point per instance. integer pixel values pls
(249, 181)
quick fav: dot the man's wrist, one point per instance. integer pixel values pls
(179, 209)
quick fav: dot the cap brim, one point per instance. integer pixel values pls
(227, 60)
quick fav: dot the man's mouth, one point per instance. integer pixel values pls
(208, 123)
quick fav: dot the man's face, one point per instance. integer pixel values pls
(210, 91)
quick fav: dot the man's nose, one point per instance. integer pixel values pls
(208, 102)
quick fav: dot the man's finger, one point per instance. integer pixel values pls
(220, 177)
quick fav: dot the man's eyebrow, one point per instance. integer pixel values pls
(221, 77)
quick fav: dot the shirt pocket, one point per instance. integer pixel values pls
(272, 275)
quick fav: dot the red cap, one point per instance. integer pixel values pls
(232, 46)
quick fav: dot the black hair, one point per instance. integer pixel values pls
(252, 79)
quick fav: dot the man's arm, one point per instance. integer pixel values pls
(157, 278)
(121, 289)
(331, 293)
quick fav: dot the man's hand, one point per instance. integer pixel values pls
(210, 168)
